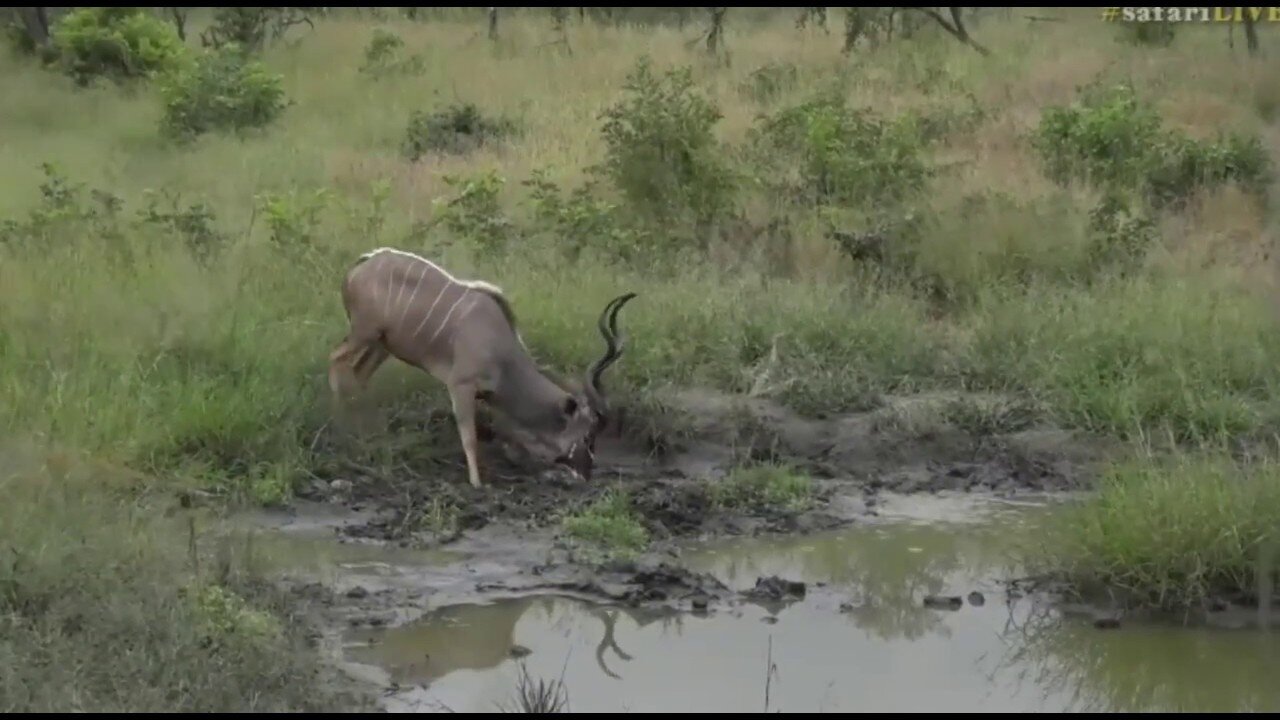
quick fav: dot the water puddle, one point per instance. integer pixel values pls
(861, 639)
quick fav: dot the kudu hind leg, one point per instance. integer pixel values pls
(351, 365)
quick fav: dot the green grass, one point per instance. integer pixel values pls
(608, 525)
(103, 610)
(763, 488)
(1171, 533)
(123, 342)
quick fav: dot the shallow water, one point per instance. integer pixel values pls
(863, 641)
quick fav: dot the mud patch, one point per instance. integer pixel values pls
(921, 444)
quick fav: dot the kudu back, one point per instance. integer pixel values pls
(463, 333)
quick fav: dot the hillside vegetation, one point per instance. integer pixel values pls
(1080, 218)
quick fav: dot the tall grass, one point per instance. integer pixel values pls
(1172, 533)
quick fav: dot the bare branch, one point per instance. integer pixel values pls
(955, 27)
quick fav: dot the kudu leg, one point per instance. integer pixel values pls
(463, 397)
(351, 365)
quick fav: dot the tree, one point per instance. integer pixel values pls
(35, 23)
(1250, 31)
(955, 27)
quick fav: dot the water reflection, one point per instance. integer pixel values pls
(482, 637)
(885, 571)
(1145, 668)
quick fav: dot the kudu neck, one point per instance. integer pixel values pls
(528, 396)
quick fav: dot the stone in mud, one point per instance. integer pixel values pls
(775, 589)
(976, 599)
(519, 651)
(357, 593)
(943, 602)
(700, 604)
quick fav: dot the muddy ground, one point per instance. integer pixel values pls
(509, 531)
(922, 444)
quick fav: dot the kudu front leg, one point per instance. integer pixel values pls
(463, 397)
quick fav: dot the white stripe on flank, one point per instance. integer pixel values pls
(445, 321)
(432, 310)
(404, 309)
(386, 303)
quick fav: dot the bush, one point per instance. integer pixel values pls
(582, 220)
(222, 91)
(661, 150)
(474, 213)
(456, 129)
(1113, 139)
(118, 43)
(822, 151)
(249, 28)
(382, 56)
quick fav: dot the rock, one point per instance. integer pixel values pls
(1106, 623)
(775, 588)
(357, 593)
(943, 602)
(976, 599)
(700, 604)
(340, 485)
(519, 651)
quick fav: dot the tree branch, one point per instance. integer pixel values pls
(955, 27)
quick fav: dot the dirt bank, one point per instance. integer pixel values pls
(669, 464)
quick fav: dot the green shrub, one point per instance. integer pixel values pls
(1113, 139)
(222, 91)
(383, 56)
(457, 129)
(474, 213)
(662, 153)
(822, 151)
(582, 220)
(115, 42)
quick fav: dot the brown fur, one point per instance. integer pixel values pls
(463, 333)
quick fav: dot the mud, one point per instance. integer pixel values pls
(925, 444)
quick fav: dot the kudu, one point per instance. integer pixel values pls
(463, 333)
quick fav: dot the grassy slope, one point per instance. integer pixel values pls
(129, 352)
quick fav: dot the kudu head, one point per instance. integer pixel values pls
(587, 414)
